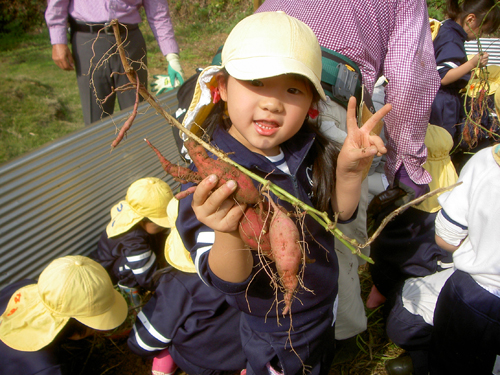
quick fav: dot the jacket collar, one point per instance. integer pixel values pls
(295, 150)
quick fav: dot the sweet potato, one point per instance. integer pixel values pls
(246, 191)
(254, 228)
(180, 174)
(287, 252)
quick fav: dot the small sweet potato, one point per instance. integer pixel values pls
(180, 174)
(287, 252)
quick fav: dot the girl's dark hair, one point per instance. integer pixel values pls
(325, 151)
(487, 12)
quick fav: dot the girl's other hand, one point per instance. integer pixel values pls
(360, 145)
(481, 59)
(217, 209)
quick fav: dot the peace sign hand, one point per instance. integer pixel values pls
(361, 145)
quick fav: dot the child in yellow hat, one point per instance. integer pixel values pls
(73, 297)
(132, 246)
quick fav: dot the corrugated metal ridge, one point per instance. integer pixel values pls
(490, 45)
(55, 201)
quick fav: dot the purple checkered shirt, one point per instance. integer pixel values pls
(101, 11)
(383, 37)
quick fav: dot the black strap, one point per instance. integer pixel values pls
(94, 28)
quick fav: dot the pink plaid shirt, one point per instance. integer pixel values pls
(101, 11)
(383, 37)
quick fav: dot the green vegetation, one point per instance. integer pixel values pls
(40, 102)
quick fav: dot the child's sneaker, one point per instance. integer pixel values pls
(163, 364)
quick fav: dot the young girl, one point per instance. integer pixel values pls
(270, 81)
(466, 21)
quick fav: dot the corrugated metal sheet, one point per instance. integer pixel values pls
(490, 45)
(55, 201)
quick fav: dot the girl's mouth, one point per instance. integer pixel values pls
(266, 128)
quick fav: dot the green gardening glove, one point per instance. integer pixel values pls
(174, 70)
(161, 84)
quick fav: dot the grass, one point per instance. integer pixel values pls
(38, 104)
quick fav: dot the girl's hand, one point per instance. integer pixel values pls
(481, 59)
(360, 146)
(217, 209)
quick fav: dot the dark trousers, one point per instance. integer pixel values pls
(466, 335)
(97, 65)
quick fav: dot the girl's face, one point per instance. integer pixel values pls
(151, 227)
(266, 112)
(471, 26)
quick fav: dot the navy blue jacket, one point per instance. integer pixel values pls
(255, 297)
(131, 258)
(42, 362)
(194, 321)
(449, 50)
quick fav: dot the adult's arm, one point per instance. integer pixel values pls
(410, 69)
(56, 16)
(158, 16)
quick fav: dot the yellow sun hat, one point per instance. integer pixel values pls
(175, 252)
(439, 165)
(490, 81)
(146, 198)
(69, 287)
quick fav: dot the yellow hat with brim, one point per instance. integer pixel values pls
(70, 287)
(175, 252)
(146, 198)
(490, 81)
(435, 26)
(439, 165)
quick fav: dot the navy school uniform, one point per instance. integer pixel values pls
(45, 361)
(463, 301)
(131, 258)
(406, 248)
(264, 340)
(194, 321)
(447, 109)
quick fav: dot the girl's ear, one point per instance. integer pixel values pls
(222, 84)
(470, 21)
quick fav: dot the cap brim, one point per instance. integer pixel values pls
(176, 254)
(26, 324)
(265, 67)
(122, 219)
(111, 319)
(164, 222)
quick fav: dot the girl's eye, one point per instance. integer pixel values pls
(257, 83)
(294, 91)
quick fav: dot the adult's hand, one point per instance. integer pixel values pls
(62, 56)
(413, 190)
(175, 70)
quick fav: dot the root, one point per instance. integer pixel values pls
(126, 126)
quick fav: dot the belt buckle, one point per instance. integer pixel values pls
(108, 29)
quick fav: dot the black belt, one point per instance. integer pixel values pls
(106, 28)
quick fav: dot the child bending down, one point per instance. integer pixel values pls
(132, 246)
(269, 83)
